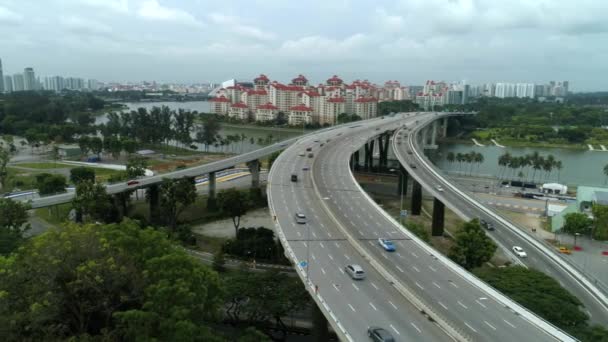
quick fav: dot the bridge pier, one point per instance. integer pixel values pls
(254, 168)
(319, 325)
(434, 134)
(369, 156)
(445, 127)
(416, 198)
(402, 184)
(438, 218)
(356, 160)
(153, 198)
(384, 153)
(211, 201)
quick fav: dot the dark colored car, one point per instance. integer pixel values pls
(133, 182)
(294, 178)
(378, 334)
(309, 149)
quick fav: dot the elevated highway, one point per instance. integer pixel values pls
(343, 227)
(540, 256)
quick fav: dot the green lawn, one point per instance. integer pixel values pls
(44, 165)
(56, 214)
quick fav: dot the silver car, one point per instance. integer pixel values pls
(355, 272)
(300, 218)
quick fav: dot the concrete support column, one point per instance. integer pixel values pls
(356, 160)
(380, 151)
(445, 127)
(438, 218)
(319, 325)
(416, 198)
(254, 168)
(425, 138)
(369, 156)
(365, 158)
(434, 134)
(153, 198)
(402, 184)
(211, 201)
(384, 155)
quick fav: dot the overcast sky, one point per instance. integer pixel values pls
(407, 40)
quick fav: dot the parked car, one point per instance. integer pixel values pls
(388, 245)
(355, 272)
(439, 188)
(378, 334)
(300, 218)
(519, 252)
(310, 155)
(565, 250)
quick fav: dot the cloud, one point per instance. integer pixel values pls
(387, 22)
(323, 48)
(153, 10)
(81, 25)
(120, 6)
(234, 24)
(9, 17)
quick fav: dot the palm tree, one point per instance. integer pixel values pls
(459, 159)
(451, 157)
(606, 173)
(479, 158)
(558, 166)
(503, 161)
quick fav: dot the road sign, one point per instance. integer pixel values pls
(303, 263)
(403, 213)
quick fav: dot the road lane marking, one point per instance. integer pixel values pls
(313, 256)
(337, 245)
(384, 255)
(322, 271)
(420, 286)
(397, 331)
(460, 303)
(321, 244)
(330, 257)
(351, 307)
(480, 303)
(453, 284)
(432, 269)
(341, 270)
(355, 286)
(414, 254)
(299, 234)
(393, 305)
(509, 323)
(360, 233)
(436, 285)
(314, 235)
(347, 257)
(336, 287)
(415, 327)
(443, 306)
(470, 327)
(415, 268)
(305, 245)
(399, 268)
(490, 325)
(372, 305)
(399, 255)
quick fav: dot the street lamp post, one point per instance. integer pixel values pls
(575, 236)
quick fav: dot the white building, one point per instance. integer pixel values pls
(239, 111)
(299, 115)
(29, 79)
(266, 112)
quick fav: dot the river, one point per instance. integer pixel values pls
(205, 107)
(580, 167)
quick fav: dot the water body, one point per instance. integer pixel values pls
(580, 167)
(205, 107)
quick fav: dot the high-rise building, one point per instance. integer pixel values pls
(29, 79)
(8, 84)
(1, 79)
(18, 83)
(93, 84)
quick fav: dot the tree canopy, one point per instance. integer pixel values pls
(13, 224)
(118, 281)
(175, 196)
(235, 204)
(600, 222)
(577, 223)
(472, 246)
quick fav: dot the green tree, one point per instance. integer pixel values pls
(136, 167)
(13, 224)
(114, 282)
(577, 223)
(600, 222)
(235, 204)
(92, 202)
(82, 173)
(96, 145)
(5, 157)
(419, 231)
(219, 261)
(272, 158)
(207, 136)
(472, 246)
(605, 173)
(49, 184)
(175, 196)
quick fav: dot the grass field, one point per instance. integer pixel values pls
(44, 165)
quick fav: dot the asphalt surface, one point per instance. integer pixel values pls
(464, 306)
(355, 304)
(505, 237)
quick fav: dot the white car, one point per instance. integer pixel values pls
(355, 272)
(439, 188)
(519, 251)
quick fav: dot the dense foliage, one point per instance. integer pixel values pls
(255, 243)
(600, 222)
(544, 296)
(472, 246)
(118, 281)
(13, 224)
(387, 107)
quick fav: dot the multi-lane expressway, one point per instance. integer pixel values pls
(540, 257)
(343, 227)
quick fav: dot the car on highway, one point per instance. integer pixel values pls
(294, 178)
(410, 152)
(305, 168)
(519, 252)
(132, 182)
(564, 250)
(317, 140)
(485, 224)
(439, 188)
(388, 245)
(310, 155)
(355, 271)
(301, 154)
(300, 218)
(308, 149)
(378, 334)
(413, 166)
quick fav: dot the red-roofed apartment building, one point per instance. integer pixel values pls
(299, 115)
(266, 112)
(239, 111)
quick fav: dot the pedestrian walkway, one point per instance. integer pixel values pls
(589, 255)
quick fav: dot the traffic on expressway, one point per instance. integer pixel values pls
(413, 293)
(505, 234)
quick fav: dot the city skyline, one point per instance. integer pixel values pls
(412, 41)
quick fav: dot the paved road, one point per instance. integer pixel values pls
(355, 304)
(463, 305)
(505, 237)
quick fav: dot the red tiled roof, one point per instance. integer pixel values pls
(262, 77)
(286, 87)
(300, 78)
(239, 105)
(362, 99)
(312, 93)
(220, 99)
(301, 108)
(268, 105)
(334, 78)
(335, 99)
(257, 92)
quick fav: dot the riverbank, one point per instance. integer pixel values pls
(513, 143)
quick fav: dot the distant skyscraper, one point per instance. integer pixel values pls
(1, 78)
(8, 84)
(29, 79)
(18, 83)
